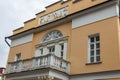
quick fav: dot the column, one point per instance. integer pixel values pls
(65, 50)
(57, 50)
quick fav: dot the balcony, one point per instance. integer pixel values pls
(35, 63)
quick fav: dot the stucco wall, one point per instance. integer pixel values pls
(109, 48)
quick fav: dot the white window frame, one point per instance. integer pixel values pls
(95, 49)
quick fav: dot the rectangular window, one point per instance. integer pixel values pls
(17, 57)
(94, 49)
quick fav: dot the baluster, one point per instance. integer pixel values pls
(20, 65)
(45, 60)
(38, 62)
(34, 62)
(42, 61)
(9, 68)
(55, 62)
(52, 60)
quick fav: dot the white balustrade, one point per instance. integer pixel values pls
(49, 60)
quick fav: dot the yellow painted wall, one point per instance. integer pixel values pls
(26, 51)
(73, 7)
(109, 48)
(27, 25)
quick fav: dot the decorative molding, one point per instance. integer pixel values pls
(60, 13)
(52, 41)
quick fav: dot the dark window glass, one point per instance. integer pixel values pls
(97, 45)
(97, 58)
(97, 38)
(92, 59)
(92, 46)
(92, 53)
(92, 39)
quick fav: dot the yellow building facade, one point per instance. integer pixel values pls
(70, 40)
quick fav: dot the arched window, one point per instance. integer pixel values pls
(52, 35)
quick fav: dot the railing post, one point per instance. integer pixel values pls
(9, 68)
(68, 67)
(20, 64)
(51, 60)
(34, 63)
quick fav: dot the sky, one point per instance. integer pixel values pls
(13, 13)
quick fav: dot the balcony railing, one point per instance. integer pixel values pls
(46, 61)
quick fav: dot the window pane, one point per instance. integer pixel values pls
(97, 52)
(91, 53)
(61, 54)
(97, 58)
(92, 59)
(92, 46)
(97, 45)
(62, 47)
(97, 38)
(92, 39)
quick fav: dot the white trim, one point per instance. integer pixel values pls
(97, 15)
(65, 50)
(22, 40)
(118, 10)
(96, 76)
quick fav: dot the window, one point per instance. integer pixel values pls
(94, 49)
(52, 35)
(17, 57)
(51, 49)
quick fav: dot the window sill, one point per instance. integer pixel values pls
(93, 63)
